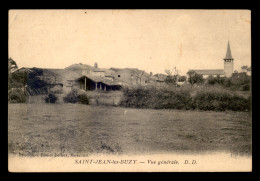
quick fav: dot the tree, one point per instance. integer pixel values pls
(149, 77)
(194, 78)
(12, 66)
(138, 75)
(240, 78)
(19, 78)
(216, 80)
(244, 68)
(182, 79)
(172, 76)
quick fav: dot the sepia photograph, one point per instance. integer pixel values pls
(119, 90)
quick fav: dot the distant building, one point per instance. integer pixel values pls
(98, 73)
(109, 77)
(211, 72)
(228, 63)
(158, 79)
(115, 78)
(97, 79)
(97, 83)
(226, 72)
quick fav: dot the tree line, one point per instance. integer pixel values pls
(238, 80)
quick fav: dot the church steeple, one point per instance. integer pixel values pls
(228, 62)
(228, 54)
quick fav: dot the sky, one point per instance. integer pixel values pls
(150, 40)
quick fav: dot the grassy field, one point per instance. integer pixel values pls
(35, 129)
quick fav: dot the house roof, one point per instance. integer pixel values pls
(159, 77)
(228, 54)
(210, 72)
(100, 79)
(99, 70)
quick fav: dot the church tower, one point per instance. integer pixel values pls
(228, 62)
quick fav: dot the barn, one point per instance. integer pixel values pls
(97, 83)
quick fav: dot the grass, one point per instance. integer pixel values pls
(35, 129)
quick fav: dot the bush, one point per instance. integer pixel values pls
(195, 78)
(246, 87)
(74, 97)
(216, 80)
(83, 99)
(239, 81)
(182, 78)
(156, 98)
(51, 98)
(17, 96)
(239, 103)
(227, 82)
(71, 97)
(217, 100)
(207, 98)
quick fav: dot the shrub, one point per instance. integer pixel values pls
(51, 98)
(74, 97)
(216, 80)
(227, 82)
(71, 97)
(246, 87)
(182, 78)
(213, 98)
(240, 78)
(194, 78)
(220, 100)
(83, 99)
(17, 96)
(238, 81)
(156, 98)
(19, 78)
(239, 103)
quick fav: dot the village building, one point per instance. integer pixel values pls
(211, 72)
(158, 79)
(89, 82)
(97, 79)
(226, 72)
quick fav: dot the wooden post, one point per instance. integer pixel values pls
(105, 88)
(100, 86)
(85, 83)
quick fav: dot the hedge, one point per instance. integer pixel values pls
(165, 98)
(220, 101)
(154, 98)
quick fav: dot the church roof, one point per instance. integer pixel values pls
(228, 54)
(210, 72)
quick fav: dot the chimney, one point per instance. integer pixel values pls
(95, 65)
